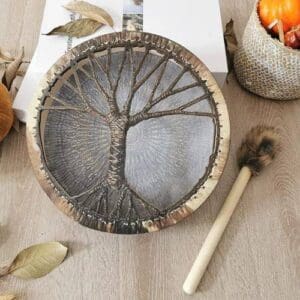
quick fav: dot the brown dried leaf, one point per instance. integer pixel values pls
(12, 69)
(15, 86)
(138, 2)
(230, 43)
(2, 71)
(21, 73)
(77, 28)
(16, 124)
(8, 297)
(36, 261)
(90, 11)
(13, 92)
(5, 56)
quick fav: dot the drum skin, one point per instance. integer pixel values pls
(128, 133)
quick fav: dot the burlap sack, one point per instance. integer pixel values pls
(266, 67)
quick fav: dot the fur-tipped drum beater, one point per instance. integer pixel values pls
(128, 133)
(257, 151)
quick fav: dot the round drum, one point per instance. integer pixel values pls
(128, 133)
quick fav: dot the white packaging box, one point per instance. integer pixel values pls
(195, 24)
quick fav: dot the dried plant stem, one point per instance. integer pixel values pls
(281, 32)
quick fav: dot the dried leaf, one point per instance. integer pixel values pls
(5, 56)
(138, 2)
(231, 43)
(2, 71)
(12, 69)
(13, 92)
(8, 297)
(36, 261)
(16, 124)
(90, 11)
(77, 28)
(15, 86)
(21, 73)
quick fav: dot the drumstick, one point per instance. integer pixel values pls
(256, 152)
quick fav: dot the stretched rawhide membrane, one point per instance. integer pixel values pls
(258, 148)
(117, 130)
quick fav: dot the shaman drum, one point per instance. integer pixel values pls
(128, 133)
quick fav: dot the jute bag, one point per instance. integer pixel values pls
(266, 67)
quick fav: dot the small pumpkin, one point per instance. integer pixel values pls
(288, 11)
(6, 112)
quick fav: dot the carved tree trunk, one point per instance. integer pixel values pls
(116, 170)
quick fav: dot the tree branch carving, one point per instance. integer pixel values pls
(67, 106)
(127, 202)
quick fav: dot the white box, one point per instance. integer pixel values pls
(195, 24)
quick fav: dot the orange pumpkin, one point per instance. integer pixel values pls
(6, 112)
(288, 11)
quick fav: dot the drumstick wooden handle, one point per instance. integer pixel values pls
(215, 234)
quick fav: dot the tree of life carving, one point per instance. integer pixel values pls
(119, 118)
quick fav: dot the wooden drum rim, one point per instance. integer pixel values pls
(157, 42)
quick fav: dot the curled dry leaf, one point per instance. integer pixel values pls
(2, 71)
(230, 42)
(21, 73)
(138, 2)
(12, 69)
(5, 56)
(36, 261)
(77, 28)
(16, 84)
(8, 297)
(16, 124)
(90, 11)
(13, 92)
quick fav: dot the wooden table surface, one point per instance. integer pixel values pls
(258, 258)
